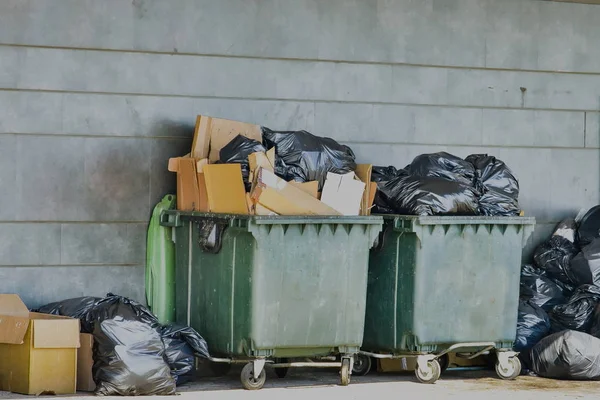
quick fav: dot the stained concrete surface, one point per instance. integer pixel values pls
(321, 384)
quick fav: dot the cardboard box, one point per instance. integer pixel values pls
(38, 352)
(283, 198)
(212, 134)
(85, 362)
(225, 189)
(343, 193)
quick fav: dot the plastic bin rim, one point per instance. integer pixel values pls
(282, 219)
(457, 220)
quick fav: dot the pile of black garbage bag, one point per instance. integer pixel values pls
(558, 329)
(299, 155)
(443, 184)
(133, 354)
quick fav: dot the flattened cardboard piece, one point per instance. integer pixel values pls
(188, 193)
(219, 132)
(311, 188)
(262, 210)
(85, 362)
(259, 160)
(201, 141)
(343, 193)
(202, 194)
(363, 172)
(282, 198)
(225, 189)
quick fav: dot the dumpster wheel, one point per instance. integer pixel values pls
(430, 373)
(345, 372)
(362, 365)
(249, 381)
(509, 369)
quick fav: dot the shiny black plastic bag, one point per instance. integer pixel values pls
(129, 359)
(533, 325)
(181, 344)
(567, 355)
(498, 186)
(237, 152)
(411, 195)
(585, 266)
(577, 313)
(382, 174)
(442, 165)
(78, 308)
(541, 290)
(304, 157)
(554, 256)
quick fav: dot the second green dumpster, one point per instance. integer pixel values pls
(445, 284)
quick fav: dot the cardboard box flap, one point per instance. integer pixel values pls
(363, 172)
(225, 188)
(54, 333)
(14, 319)
(201, 141)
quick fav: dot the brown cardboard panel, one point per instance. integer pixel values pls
(311, 188)
(343, 193)
(279, 196)
(202, 194)
(85, 361)
(363, 172)
(53, 371)
(225, 189)
(188, 198)
(55, 333)
(372, 193)
(201, 141)
(223, 131)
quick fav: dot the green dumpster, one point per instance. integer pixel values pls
(273, 289)
(445, 284)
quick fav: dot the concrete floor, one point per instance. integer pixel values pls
(322, 384)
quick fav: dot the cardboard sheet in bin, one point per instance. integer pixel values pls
(38, 352)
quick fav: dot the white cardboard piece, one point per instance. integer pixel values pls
(343, 193)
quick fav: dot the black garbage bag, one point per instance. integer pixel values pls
(567, 228)
(589, 226)
(304, 157)
(129, 359)
(567, 355)
(382, 174)
(595, 325)
(540, 289)
(410, 195)
(182, 343)
(554, 256)
(585, 266)
(577, 313)
(498, 186)
(442, 165)
(237, 151)
(78, 308)
(533, 325)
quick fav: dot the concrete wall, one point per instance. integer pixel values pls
(95, 96)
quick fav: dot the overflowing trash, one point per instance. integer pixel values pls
(443, 184)
(133, 354)
(559, 313)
